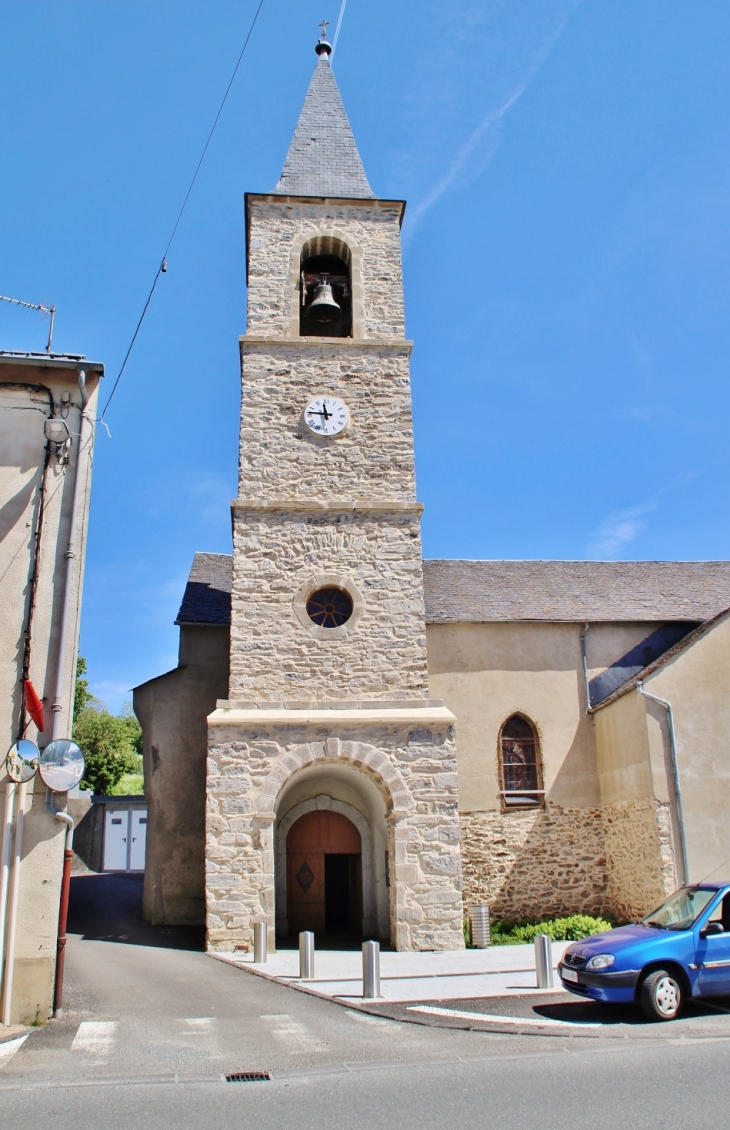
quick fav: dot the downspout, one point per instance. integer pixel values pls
(57, 706)
(584, 654)
(10, 791)
(13, 908)
(675, 772)
(68, 854)
(59, 723)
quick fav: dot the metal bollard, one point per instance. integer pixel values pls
(260, 942)
(544, 961)
(481, 935)
(306, 956)
(370, 970)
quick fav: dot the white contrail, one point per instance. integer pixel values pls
(492, 121)
(339, 25)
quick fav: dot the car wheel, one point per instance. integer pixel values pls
(662, 996)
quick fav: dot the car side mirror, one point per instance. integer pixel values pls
(713, 928)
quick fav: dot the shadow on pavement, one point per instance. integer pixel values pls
(608, 1014)
(108, 908)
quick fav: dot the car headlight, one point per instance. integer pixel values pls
(601, 961)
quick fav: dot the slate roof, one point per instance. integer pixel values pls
(323, 158)
(207, 596)
(488, 591)
(483, 591)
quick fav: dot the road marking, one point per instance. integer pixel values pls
(10, 1047)
(366, 1019)
(295, 1037)
(95, 1036)
(198, 1025)
(494, 1018)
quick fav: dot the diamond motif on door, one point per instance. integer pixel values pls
(305, 877)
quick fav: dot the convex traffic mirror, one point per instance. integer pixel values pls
(61, 765)
(22, 761)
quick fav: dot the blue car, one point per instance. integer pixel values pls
(680, 950)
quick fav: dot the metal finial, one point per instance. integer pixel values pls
(323, 47)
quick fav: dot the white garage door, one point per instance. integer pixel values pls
(125, 833)
(139, 835)
(116, 835)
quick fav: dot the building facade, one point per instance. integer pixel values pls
(47, 409)
(358, 740)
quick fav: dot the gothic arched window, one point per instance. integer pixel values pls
(519, 762)
(325, 308)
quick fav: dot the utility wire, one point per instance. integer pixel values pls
(163, 264)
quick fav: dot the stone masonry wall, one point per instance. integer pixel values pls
(274, 656)
(640, 855)
(535, 864)
(280, 458)
(370, 228)
(416, 775)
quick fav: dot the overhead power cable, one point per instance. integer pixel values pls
(163, 263)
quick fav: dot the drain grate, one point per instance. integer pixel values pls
(248, 1076)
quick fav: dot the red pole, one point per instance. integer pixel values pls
(62, 919)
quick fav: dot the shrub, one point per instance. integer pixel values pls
(572, 929)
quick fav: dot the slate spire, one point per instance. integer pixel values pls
(323, 159)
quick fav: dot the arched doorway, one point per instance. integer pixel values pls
(324, 874)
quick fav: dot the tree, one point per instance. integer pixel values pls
(82, 694)
(129, 718)
(107, 747)
(111, 744)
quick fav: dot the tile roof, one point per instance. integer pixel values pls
(484, 591)
(323, 158)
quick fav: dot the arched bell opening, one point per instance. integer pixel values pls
(325, 283)
(331, 870)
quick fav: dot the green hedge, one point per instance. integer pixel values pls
(572, 929)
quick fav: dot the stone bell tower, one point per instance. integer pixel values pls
(329, 718)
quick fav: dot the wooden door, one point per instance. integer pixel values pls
(314, 836)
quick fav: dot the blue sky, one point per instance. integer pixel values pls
(567, 259)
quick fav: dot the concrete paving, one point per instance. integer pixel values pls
(153, 1027)
(499, 971)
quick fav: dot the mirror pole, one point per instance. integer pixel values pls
(68, 854)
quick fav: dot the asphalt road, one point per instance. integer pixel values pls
(151, 1029)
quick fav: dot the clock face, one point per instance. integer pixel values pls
(326, 416)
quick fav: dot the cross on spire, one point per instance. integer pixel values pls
(324, 25)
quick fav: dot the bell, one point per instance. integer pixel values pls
(324, 309)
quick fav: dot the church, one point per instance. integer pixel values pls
(359, 742)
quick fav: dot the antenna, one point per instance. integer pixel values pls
(35, 306)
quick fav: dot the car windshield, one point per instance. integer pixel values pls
(682, 909)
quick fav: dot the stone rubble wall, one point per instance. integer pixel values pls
(416, 775)
(281, 458)
(274, 656)
(640, 856)
(535, 864)
(280, 228)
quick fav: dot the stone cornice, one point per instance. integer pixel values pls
(335, 344)
(332, 715)
(327, 506)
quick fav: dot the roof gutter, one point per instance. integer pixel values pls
(675, 772)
